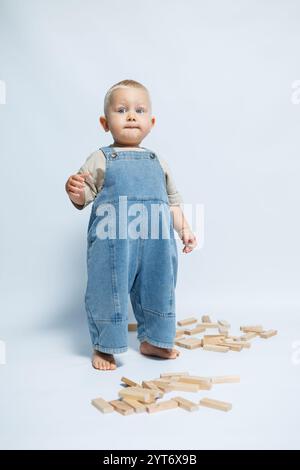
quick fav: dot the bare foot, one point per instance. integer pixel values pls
(150, 350)
(103, 361)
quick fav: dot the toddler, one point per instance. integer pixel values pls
(131, 246)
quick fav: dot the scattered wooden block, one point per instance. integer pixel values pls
(173, 374)
(186, 404)
(137, 393)
(216, 404)
(136, 405)
(252, 329)
(121, 407)
(213, 339)
(248, 336)
(179, 334)
(183, 387)
(162, 406)
(102, 405)
(187, 321)
(268, 334)
(151, 386)
(225, 379)
(162, 381)
(215, 348)
(235, 338)
(202, 382)
(243, 344)
(189, 343)
(164, 387)
(129, 382)
(210, 325)
(224, 323)
(223, 330)
(132, 327)
(205, 319)
(233, 346)
(196, 330)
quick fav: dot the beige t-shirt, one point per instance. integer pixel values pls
(95, 164)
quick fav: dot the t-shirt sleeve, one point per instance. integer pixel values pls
(95, 165)
(174, 195)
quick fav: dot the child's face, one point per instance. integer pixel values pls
(128, 116)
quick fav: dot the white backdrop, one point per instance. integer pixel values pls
(223, 79)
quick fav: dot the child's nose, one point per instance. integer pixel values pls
(131, 115)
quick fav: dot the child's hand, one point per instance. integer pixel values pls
(188, 239)
(75, 188)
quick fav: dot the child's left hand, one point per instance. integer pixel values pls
(188, 239)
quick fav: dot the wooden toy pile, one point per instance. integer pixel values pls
(147, 397)
(221, 342)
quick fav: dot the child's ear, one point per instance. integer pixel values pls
(103, 122)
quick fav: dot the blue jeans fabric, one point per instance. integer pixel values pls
(145, 267)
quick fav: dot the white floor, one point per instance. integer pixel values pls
(47, 384)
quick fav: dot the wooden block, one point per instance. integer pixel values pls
(136, 405)
(183, 387)
(189, 343)
(179, 334)
(242, 344)
(151, 386)
(216, 404)
(162, 381)
(206, 319)
(196, 330)
(137, 393)
(225, 379)
(248, 336)
(268, 334)
(202, 382)
(129, 382)
(224, 323)
(102, 405)
(186, 404)
(187, 321)
(252, 329)
(121, 407)
(162, 406)
(233, 346)
(132, 326)
(213, 339)
(223, 330)
(174, 374)
(164, 387)
(210, 325)
(215, 348)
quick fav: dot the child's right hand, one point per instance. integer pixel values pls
(75, 188)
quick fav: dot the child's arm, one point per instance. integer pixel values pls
(75, 186)
(180, 223)
(83, 187)
(183, 229)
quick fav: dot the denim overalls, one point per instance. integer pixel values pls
(119, 264)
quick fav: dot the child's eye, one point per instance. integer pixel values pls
(121, 110)
(140, 110)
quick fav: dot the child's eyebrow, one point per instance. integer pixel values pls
(122, 103)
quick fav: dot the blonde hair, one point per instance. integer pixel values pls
(122, 84)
